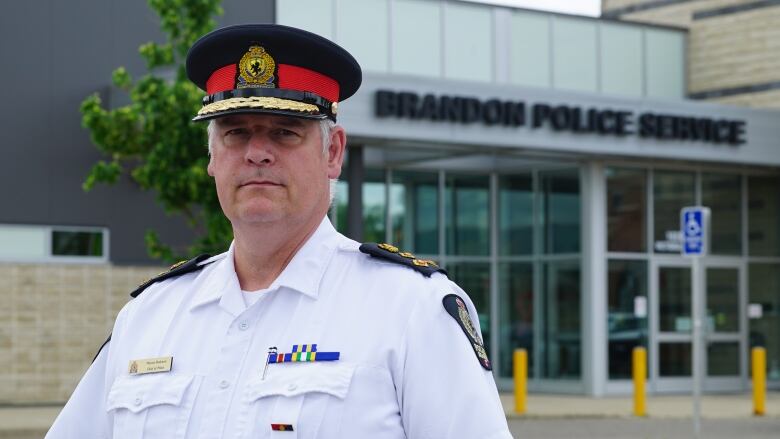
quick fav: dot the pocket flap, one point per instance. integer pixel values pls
(298, 378)
(137, 393)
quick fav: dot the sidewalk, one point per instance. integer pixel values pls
(32, 422)
(726, 406)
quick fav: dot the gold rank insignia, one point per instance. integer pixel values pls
(406, 255)
(150, 365)
(388, 247)
(256, 69)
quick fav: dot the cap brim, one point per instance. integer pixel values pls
(260, 104)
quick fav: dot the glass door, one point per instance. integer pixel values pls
(671, 352)
(725, 339)
(672, 325)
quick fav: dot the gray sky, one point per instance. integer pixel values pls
(579, 7)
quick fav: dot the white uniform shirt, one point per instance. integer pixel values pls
(406, 368)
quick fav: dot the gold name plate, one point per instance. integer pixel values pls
(151, 365)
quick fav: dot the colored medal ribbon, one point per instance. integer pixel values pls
(302, 354)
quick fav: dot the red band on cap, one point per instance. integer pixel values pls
(290, 78)
(223, 79)
(301, 79)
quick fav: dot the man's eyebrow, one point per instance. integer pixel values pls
(289, 122)
(228, 121)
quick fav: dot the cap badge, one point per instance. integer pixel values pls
(256, 69)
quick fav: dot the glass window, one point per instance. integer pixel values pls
(468, 54)
(561, 337)
(626, 210)
(414, 198)
(674, 297)
(665, 63)
(515, 214)
(516, 314)
(21, 243)
(723, 359)
(764, 287)
(574, 54)
(627, 285)
(672, 191)
(317, 18)
(416, 30)
(764, 215)
(365, 39)
(374, 205)
(621, 59)
(474, 279)
(722, 300)
(560, 211)
(467, 206)
(674, 359)
(722, 193)
(338, 210)
(76, 243)
(530, 57)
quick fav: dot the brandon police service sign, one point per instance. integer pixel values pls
(575, 119)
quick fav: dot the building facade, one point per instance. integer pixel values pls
(541, 158)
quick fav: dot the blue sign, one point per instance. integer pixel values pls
(694, 226)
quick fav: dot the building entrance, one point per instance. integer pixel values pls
(671, 342)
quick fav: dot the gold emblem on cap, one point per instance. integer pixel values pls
(407, 255)
(334, 108)
(256, 69)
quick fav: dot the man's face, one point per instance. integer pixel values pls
(271, 168)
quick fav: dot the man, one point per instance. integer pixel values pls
(295, 331)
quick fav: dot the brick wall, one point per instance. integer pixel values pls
(735, 50)
(53, 319)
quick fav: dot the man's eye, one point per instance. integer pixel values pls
(236, 132)
(284, 133)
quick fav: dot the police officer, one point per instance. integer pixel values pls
(296, 331)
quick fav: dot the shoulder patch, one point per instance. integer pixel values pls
(393, 254)
(456, 307)
(177, 269)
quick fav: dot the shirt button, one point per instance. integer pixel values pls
(224, 384)
(138, 401)
(292, 387)
(243, 326)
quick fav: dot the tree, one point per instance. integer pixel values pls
(153, 139)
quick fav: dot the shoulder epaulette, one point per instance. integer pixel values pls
(177, 269)
(393, 254)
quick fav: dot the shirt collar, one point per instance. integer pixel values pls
(302, 274)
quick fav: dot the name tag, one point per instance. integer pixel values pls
(151, 365)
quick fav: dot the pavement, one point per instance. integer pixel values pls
(33, 422)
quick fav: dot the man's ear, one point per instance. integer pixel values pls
(338, 144)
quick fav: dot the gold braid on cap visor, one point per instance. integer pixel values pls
(265, 102)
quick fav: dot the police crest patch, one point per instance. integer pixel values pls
(456, 308)
(256, 69)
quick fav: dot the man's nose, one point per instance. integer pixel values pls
(259, 150)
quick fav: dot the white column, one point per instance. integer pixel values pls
(594, 278)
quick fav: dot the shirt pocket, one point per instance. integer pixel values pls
(152, 406)
(297, 394)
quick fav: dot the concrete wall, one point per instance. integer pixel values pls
(52, 322)
(55, 54)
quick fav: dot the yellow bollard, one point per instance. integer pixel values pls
(759, 381)
(639, 372)
(520, 360)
